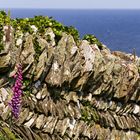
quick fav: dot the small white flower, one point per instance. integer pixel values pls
(34, 28)
(19, 42)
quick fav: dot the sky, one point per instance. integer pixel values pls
(71, 4)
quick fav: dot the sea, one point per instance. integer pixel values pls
(119, 30)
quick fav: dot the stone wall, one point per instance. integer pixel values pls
(70, 91)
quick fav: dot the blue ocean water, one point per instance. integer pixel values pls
(118, 29)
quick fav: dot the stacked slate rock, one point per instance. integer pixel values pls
(75, 92)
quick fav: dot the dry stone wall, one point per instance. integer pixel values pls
(70, 91)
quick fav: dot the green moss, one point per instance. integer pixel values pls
(1, 47)
(27, 84)
(9, 134)
(95, 115)
(2, 137)
(86, 115)
(89, 113)
(37, 48)
(138, 136)
(1, 38)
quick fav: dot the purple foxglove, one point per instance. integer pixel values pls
(15, 103)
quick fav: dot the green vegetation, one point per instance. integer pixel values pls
(7, 134)
(89, 113)
(27, 86)
(2, 22)
(38, 26)
(10, 135)
(37, 48)
(2, 137)
(1, 37)
(3, 18)
(42, 23)
(93, 40)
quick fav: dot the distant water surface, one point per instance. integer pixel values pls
(118, 29)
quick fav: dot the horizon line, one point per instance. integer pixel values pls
(70, 8)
